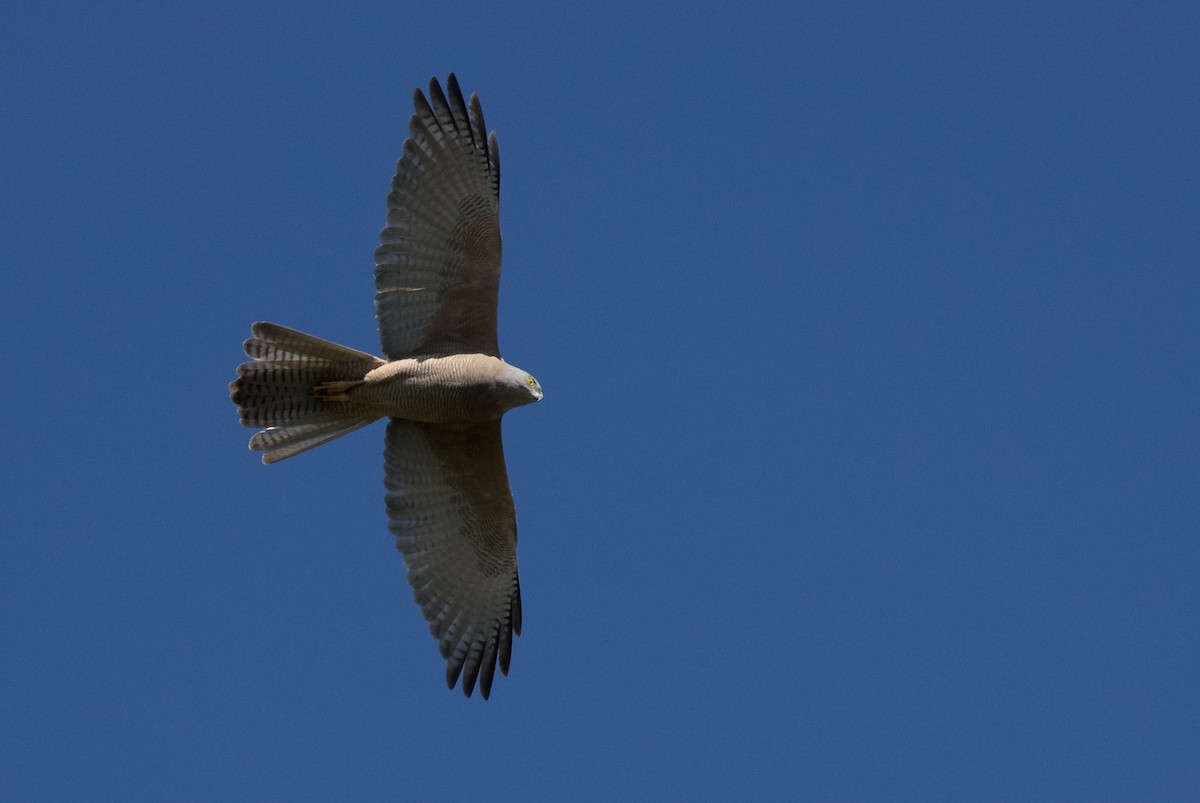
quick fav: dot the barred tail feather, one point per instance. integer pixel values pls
(275, 343)
(280, 443)
(276, 391)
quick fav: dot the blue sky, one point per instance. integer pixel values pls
(868, 466)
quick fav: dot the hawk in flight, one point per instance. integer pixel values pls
(441, 384)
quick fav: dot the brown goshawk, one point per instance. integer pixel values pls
(443, 386)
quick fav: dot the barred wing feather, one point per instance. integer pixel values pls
(437, 268)
(451, 510)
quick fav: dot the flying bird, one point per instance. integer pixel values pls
(441, 384)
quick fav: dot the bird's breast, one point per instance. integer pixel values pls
(459, 388)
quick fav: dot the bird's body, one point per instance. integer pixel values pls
(442, 385)
(455, 389)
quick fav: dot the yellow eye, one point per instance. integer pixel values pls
(531, 381)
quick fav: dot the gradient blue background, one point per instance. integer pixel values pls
(869, 461)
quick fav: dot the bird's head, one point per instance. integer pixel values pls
(520, 387)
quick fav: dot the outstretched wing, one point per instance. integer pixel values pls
(437, 268)
(451, 510)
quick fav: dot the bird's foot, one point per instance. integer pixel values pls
(334, 391)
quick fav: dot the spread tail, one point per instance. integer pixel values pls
(288, 390)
